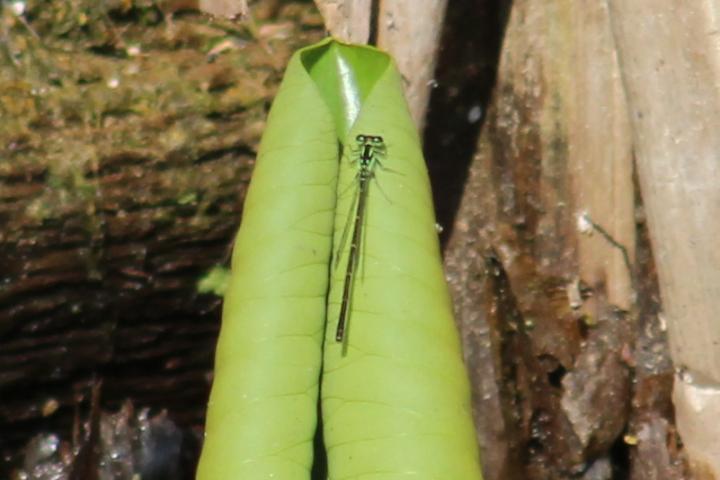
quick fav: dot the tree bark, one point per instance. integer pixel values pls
(553, 332)
(122, 172)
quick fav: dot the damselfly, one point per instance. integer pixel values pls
(369, 150)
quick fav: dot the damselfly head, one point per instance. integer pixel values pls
(374, 139)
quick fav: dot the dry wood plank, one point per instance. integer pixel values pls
(410, 30)
(347, 20)
(555, 148)
(670, 62)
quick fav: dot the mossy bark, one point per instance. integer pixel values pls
(126, 144)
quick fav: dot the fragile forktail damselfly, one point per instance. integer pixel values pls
(369, 150)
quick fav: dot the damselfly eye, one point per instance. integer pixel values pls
(360, 138)
(377, 139)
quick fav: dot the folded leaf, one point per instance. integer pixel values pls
(262, 413)
(395, 396)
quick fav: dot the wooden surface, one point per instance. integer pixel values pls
(410, 30)
(601, 156)
(670, 62)
(554, 334)
(347, 20)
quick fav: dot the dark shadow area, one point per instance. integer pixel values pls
(620, 458)
(319, 469)
(465, 77)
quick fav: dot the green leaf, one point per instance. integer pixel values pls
(262, 413)
(395, 395)
(215, 281)
(345, 75)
